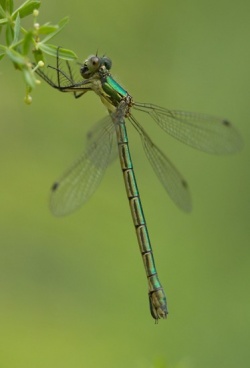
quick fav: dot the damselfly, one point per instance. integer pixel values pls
(201, 131)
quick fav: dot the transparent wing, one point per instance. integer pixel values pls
(97, 129)
(80, 181)
(201, 131)
(169, 176)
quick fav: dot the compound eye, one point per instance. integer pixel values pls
(107, 62)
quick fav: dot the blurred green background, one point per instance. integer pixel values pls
(73, 291)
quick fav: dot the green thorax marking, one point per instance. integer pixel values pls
(115, 92)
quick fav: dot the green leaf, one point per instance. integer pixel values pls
(17, 29)
(47, 29)
(29, 77)
(26, 8)
(9, 35)
(2, 4)
(16, 57)
(53, 51)
(3, 21)
(59, 26)
(11, 6)
(2, 12)
(27, 42)
(7, 5)
(2, 55)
